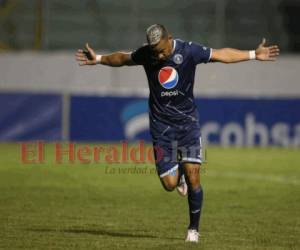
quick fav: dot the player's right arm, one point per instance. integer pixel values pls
(117, 59)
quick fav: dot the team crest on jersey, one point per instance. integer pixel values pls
(178, 59)
(168, 77)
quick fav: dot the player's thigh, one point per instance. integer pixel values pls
(169, 182)
(168, 173)
(166, 162)
(192, 173)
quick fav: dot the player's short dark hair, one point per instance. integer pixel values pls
(155, 33)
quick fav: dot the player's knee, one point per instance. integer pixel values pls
(169, 185)
(169, 188)
(194, 183)
(193, 177)
(169, 182)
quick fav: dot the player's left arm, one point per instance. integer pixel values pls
(229, 55)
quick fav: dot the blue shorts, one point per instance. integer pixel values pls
(173, 145)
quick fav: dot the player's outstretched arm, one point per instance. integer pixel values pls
(262, 53)
(88, 56)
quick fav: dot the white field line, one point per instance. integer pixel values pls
(256, 177)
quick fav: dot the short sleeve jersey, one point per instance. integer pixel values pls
(171, 82)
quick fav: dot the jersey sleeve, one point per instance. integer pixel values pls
(200, 54)
(139, 56)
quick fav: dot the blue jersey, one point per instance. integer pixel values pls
(171, 82)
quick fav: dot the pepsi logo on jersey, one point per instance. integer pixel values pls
(168, 77)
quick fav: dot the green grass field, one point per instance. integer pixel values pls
(252, 201)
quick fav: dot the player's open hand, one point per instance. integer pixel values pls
(87, 56)
(266, 53)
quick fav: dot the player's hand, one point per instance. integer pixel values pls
(266, 53)
(87, 56)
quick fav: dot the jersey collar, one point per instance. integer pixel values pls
(174, 46)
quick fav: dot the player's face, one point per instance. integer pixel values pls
(163, 49)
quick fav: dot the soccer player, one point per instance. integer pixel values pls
(170, 66)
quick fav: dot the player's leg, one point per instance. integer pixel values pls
(174, 179)
(169, 178)
(195, 193)
(170, 171)
(190, 147)
(195, 199)
(168, 168)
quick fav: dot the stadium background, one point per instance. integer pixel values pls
(47, 96)
(250, 114)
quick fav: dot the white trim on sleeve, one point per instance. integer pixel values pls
(210, 54)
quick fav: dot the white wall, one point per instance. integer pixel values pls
(58, 72)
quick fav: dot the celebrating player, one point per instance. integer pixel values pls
(170, 66)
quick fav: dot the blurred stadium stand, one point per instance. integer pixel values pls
(45, 95)
(55, 24)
